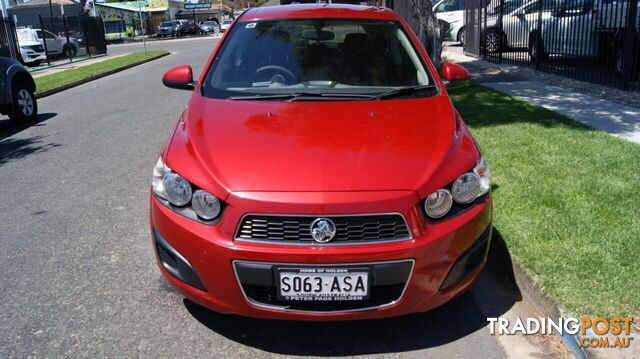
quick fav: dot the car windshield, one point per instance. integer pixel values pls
(166, 24)
(227, 22)
(317, 56)
(209, 23)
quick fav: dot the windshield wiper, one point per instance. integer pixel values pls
(403, 91)
(305, 96)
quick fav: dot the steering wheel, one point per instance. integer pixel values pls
(279, 70)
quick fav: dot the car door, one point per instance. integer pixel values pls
(577, 27)
(53, 45)
(447, 12)
(519, 24)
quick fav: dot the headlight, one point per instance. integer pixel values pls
(438, 203)
(177, 189)
(472, 185)
(464, 190)
(157, 183)
(206, 205)
(482, 170)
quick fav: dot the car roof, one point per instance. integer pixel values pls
(308, 11)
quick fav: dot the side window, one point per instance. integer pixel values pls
(533, 8)
(446, 6)
(460, 5)
(577, 7)
(49, 35)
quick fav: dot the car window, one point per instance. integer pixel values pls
(166, 24)
(577, 7)
(49, 35)
(314, 55)
(531, 8)
(505, 8)
(447, 5)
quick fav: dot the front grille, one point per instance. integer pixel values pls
(379, 295)
(37, 48)
(349, 229)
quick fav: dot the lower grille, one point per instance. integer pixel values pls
(379, 295)
(259, 284)
(349, 229)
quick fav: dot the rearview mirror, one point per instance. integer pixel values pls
(179, 77)
(318, 35)
(454, 73)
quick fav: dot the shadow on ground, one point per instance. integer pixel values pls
(9, 128)
(448, 323)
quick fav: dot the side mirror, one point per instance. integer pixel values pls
(179, 77)
(454, 73)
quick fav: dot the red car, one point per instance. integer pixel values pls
(320, 172)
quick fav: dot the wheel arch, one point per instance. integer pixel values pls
(18, 77)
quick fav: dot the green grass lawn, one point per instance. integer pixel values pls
(65, 77)
(566, 200)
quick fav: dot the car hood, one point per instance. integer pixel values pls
(28, 43)
(314, 146)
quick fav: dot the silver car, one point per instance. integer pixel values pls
(209, 27)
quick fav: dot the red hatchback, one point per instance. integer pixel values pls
(320, 172)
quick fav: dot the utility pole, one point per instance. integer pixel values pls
(144, 41)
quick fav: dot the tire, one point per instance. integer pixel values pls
(69, 51)
(461, 36)
(24, 107)
(619, 65)
(493, 41)
(533, 47)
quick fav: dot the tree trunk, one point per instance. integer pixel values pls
(428, 30)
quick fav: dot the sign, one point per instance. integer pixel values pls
(202, 5)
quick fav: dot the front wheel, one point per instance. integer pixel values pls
(70, 51)
(536, 49)
(24, 107)
(461, 34)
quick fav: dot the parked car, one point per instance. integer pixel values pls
(320, 172)
(510, 23)
(189, 27)
(209, 26)
(170, 28)
(31, 51)
(225, 25)
(17, 97)
(450, 14)
(586, 28)
(56, 44)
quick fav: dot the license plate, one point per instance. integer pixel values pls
(323, 284)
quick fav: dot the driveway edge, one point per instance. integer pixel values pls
(530, 288)
(95, 77)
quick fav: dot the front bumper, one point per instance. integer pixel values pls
(444, 259)
(32, 56)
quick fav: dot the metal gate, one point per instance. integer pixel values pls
(472, 17)
(8, 39)
(591, 40)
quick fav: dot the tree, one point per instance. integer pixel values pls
(428, 30)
